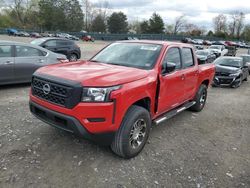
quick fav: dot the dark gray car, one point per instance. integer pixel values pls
(18, 61)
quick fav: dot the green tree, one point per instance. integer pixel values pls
(145, 27)
(246, 33)
(98, 24)
(64, 15)
(210, 33)
(156, 24)
(117, 23)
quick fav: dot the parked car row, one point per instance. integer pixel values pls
(14, 32)
(238, 44)
(230, 71)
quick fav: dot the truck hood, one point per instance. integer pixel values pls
(225, 69)
(94, 74)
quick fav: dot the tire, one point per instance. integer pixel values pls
(246, 78)
(239, 84)
(72, 57)
(133, 133)
(200, 99)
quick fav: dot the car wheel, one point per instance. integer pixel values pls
(133, 133)
(237, 84)
(200, 99)
(246, 78)
(72, 57)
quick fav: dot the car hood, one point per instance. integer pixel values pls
(215, 50)
(201, 57)
(225, 69)
(94, 74)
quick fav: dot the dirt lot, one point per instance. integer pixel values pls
(207, 149)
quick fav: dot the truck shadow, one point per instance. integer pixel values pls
(14, 86)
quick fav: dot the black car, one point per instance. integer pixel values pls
(205, 56)
(246, 60)
(61, 46)
(230, 71)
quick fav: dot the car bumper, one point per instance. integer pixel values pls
(69, 123)
(225, 80)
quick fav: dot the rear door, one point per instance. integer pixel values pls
(171, 91)
(191, 72)
(63, 46)
(6, 64)
(27, 61)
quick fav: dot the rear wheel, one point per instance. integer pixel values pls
(200, 99)
(133, 133)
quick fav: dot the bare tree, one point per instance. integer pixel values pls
(240, 24)
(220, 23)
(236, 24)
(180, 22)
(92, 10)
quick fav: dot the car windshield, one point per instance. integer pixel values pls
(136, 55)
(246, 59)
(229, 62)
(215, 47)
(38, 41)
(201, 52)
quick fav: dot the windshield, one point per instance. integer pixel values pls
(203, 53)
(136, 55)
(37, 41)
(229, 62)
(215, 47)
(246, 59)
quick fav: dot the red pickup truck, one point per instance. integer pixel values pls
(117, 95)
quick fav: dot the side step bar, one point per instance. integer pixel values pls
(173, 112)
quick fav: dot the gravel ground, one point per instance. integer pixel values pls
(206, 149)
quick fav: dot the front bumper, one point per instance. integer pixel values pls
(226, 80)
(69, 124)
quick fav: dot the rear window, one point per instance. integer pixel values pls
(188, 59)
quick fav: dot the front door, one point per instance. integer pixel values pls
(171, 91)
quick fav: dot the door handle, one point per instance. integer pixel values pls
(8, 62)
(40, 61)
(182, 77)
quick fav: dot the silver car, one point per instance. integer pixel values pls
(18, 61)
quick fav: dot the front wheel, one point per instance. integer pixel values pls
(133, 133)
(72, 57)
(200, 99)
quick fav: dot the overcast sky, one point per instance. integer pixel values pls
(200, 12)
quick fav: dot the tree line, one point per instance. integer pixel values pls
(78, 15)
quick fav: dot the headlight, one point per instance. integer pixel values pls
(235, 74)
(97, 94)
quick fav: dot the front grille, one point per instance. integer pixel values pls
(225, 81)
(58, 93)
(222, 74)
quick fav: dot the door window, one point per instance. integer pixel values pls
(188, 59)
(63, 43)
(173, 56)
(26, 51)
(51, 43)
(5, 51)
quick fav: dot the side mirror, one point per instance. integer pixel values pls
(168, 67)
(44, 46)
